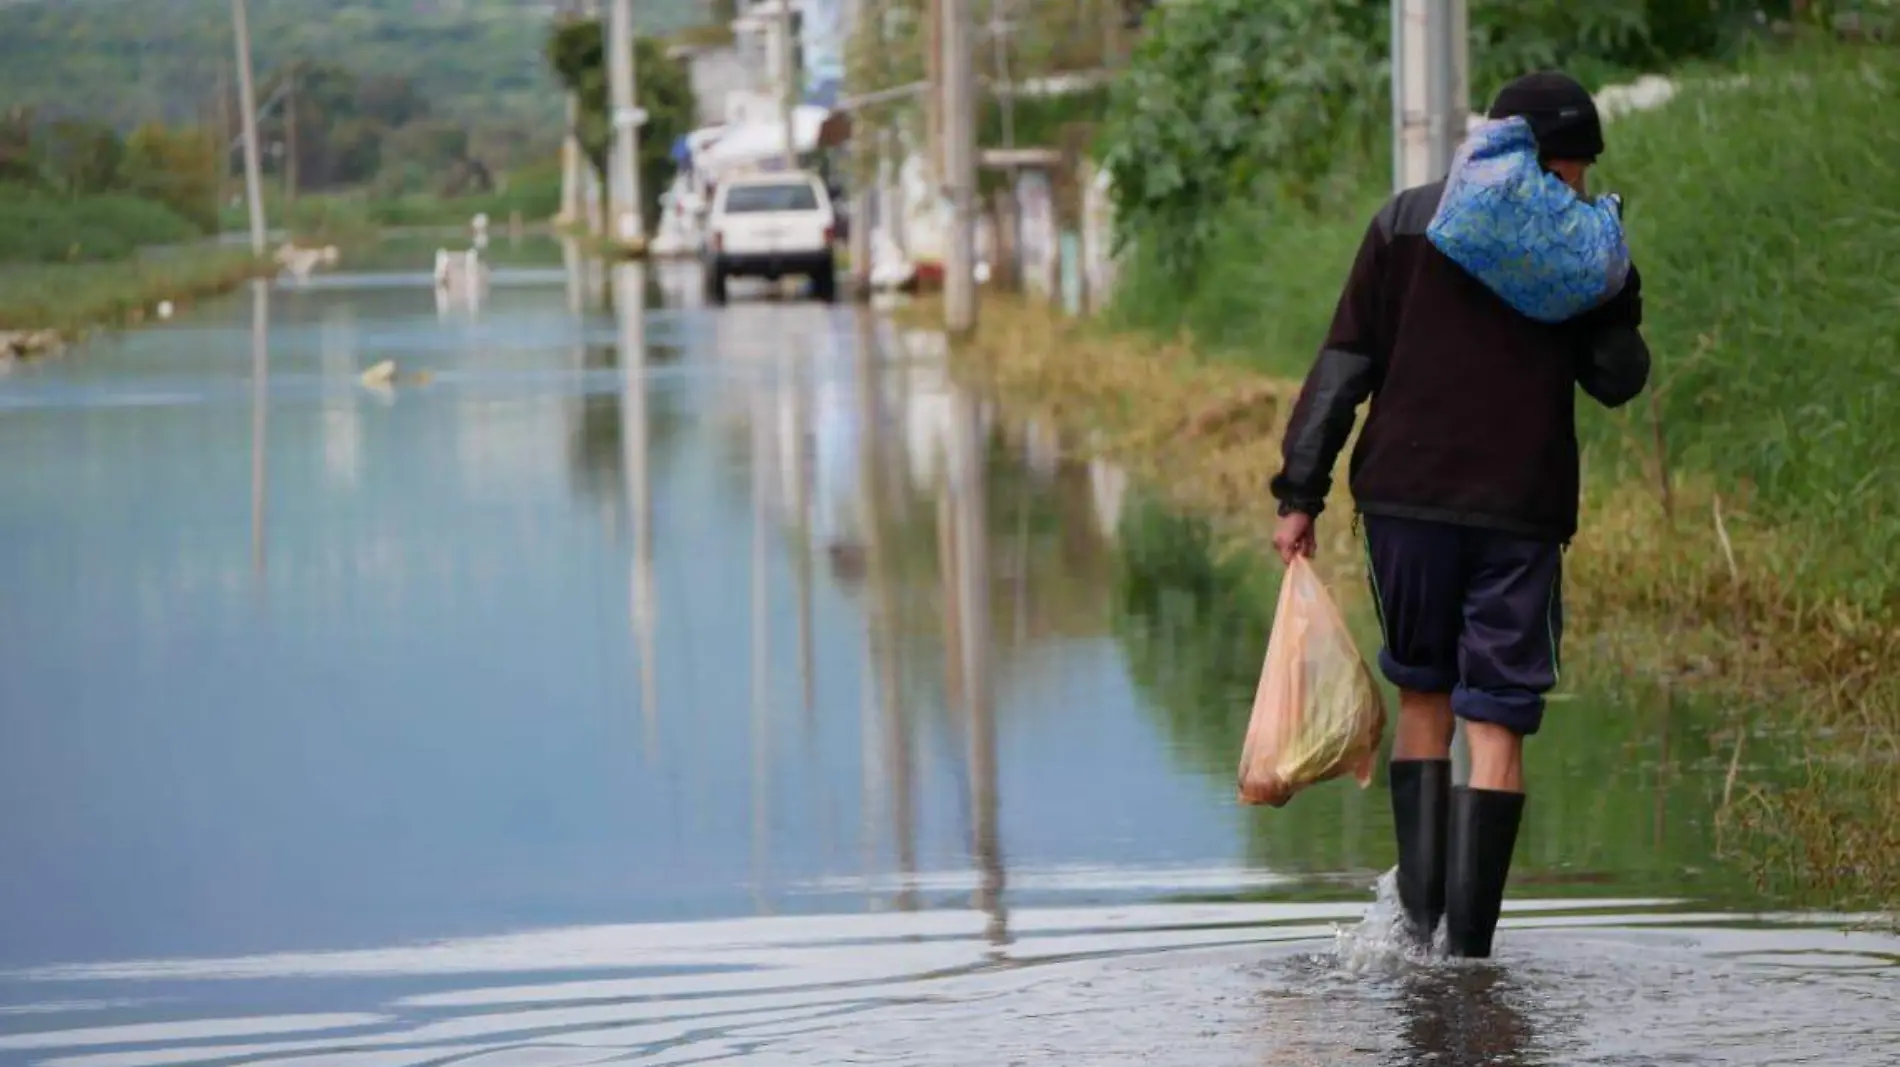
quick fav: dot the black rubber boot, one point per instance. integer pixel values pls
(1421, 793)
(1484, 826)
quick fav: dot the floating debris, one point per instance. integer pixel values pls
(25, 344)
(386, 375)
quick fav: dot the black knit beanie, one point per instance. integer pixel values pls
(1562, 114)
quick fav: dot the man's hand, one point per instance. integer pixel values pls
(1293, 536)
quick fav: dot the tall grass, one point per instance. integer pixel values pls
(40, 227)
(73, 297)
(1764, 220)
(348, 217)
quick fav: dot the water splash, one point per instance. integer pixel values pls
(1380, 943)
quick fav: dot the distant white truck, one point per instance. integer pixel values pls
(770, 225)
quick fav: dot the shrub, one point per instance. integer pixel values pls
(37, 227)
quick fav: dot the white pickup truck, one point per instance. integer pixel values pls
(769, 225)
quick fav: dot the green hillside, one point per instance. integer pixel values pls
(129, 61)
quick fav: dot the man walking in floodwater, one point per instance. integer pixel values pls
(1465, 477)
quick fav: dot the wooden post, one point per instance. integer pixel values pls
(290, 135)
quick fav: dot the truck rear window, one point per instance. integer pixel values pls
(788, 197)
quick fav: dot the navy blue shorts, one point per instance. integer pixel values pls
(1475, 613)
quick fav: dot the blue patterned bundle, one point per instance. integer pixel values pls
(1524, 233)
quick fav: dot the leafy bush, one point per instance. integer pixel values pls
(577, 52)
(1284, 105)
(36, 227)
(176, 166)
(1239, 101)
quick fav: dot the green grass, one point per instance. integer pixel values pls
(1266, 289)
(74, 297)
(38, 227)
(1763, 221)
(350, 217)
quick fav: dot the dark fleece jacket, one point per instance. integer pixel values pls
(1473, 414)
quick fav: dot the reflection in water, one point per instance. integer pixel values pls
(630, 311)
(260, 419)
(966, 497)
(1463, 1017)
(884, 689)
(761, 731)
(796, 459)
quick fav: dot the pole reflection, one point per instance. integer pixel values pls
(801, 469)
(761, 662)
(629, 282)
(573, 269)
(260, 420)
(968, 505)
(881, 622)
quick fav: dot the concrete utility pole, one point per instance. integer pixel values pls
(571, 146)
(933, 93)
(959, 163)
(247, 103)
(788, 83)
(624, 161)
(571, 165)
(1431, 91)
(290, 134)
(866, 163)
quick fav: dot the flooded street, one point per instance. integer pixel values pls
(689, 685)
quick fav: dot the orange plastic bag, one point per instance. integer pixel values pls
(1318, 713)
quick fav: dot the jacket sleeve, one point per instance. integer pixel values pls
(1613, 363)
(1346, 372)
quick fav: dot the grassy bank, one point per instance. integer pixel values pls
(74, 297)
(350, 217)
(42, 227)
(1739, 529)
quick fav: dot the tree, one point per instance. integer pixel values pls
(176, 166)
(577, 53)
(433, 153)
(323, 96)
(17, 165)
(1233, 99)
(391, 100)
(80, 158)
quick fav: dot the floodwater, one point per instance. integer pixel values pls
(677, 685)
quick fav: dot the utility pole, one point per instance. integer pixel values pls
(624, 181)
(788, 83)
(959, 162)
(290, 135)
(247, 103)
(224, 136)
(867, 160)
(590, 190)
(933, 94)
(1430, 88)
(1001, 36)
(570, 212)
